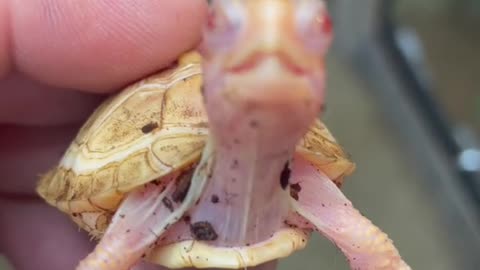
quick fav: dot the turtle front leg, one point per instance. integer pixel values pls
(142, 217)
(138, 222)
(317, 199)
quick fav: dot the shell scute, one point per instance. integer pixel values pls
(104, 178)
(51, 185)
(184, 107)
(62, 185)
(109, 200)
(134, 171)
(94, 222)
(173, 150)
(82, 186)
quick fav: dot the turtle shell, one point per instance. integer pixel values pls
(153, 128)
(150, 129)
(321, 148)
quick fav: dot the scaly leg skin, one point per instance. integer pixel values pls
(143, 216)
(132, 230)
(324, 205)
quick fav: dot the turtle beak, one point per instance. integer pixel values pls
(275, 44)
(285, 61)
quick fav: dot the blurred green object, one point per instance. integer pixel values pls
(4, 264)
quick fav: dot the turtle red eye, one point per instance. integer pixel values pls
(217, 20)
(221, 26)
(326, 23)
(211, 20)
(315, 27)
(321, 26)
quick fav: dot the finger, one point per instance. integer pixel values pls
(36, 236)
(27, 102)
(98, 45)
(27, 152)
(4, 57)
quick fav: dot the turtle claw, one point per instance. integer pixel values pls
(321, 202)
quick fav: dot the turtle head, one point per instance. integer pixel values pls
(266, 55)
(241, 34)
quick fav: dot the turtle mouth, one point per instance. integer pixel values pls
(283, 60)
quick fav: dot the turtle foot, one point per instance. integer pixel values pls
(142, 217)
(317, 199)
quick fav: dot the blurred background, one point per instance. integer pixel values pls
(404, 101)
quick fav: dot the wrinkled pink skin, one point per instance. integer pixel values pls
(333, 215)
(135, 226)
(264, 86)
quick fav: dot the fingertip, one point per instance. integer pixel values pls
(4, 44)
(100, 45)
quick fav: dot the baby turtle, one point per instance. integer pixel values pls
(219, 161)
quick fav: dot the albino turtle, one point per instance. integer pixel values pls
(150, 177)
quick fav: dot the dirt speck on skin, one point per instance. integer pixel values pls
(203, 231)
(182, 186)
(294, 190)
(323, 108)
(168, 204)
(234, 164)
(285, 176)
(215, 199)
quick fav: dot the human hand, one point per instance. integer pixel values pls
(58, 59)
